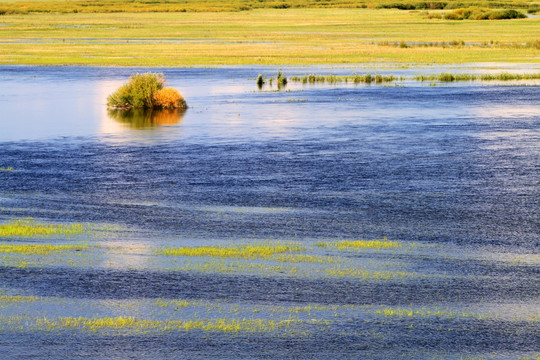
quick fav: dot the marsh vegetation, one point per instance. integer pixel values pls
(145, 91)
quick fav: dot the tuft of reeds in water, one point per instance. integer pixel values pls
(260, 81)
(281, 79)
(145, 91)
(30, 228)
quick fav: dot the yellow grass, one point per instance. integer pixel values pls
(360, 244)
(142, 325)
(239, 252)
(38, 249)
(29, 228)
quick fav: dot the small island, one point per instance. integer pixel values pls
(146, 91)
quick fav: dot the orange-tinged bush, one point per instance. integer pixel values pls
(168, 98)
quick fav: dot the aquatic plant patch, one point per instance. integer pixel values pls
(344, 245)
(146, 91)
(30, 228)
(135, 325)
(33, 249)
(241, 252)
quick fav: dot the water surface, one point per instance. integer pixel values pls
(449, 171)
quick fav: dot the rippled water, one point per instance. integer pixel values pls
(449, 171)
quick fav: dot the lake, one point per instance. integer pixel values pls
(439, 179)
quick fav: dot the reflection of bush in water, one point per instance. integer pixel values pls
(144, 118)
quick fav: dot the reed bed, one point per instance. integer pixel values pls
(333, 79)
(449, 77)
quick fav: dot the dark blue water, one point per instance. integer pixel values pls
(454, 166)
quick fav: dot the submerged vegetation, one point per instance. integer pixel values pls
(31, 228)
(239, 252)
(146, 91)
(355, 244)
(32, 249)
(133, 324)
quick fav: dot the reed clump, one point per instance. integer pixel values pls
(30, 228)
(146, 91)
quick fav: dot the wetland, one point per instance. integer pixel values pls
(324, 219)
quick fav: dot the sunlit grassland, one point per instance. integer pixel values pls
(29, 228)
(262, 37)
(107, 6)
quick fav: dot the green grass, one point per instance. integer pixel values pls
(261, 37)
(29, 228)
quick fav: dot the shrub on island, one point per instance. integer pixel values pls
(146, 91)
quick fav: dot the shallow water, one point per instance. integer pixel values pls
(450, 172)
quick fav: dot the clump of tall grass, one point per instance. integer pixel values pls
(29, 228)
(281, 79)
(146, 91)
(260, 81)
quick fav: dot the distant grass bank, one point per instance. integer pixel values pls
(263, 37)
(116, 6)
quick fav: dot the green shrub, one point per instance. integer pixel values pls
(145, 91)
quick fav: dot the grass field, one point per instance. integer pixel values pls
(262, 37)
(108, 6)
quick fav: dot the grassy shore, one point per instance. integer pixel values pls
(262, 37)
